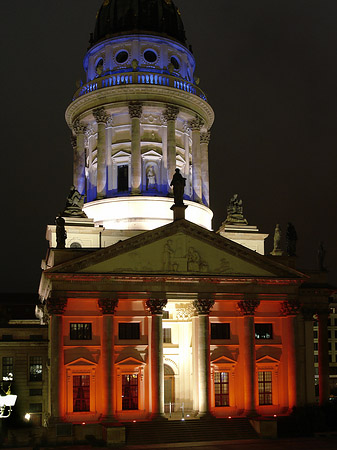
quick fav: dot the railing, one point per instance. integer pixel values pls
(140, 78)
(177, 411)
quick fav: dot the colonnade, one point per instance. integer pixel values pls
(194, 128)
(247, 308)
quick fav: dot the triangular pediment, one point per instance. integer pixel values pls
(130, 362)
(223, 360)
(178, 248)
(81, 362)
(267, 360)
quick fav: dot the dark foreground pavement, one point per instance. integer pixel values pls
(256, 444)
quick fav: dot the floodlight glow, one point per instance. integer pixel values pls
(27, 416)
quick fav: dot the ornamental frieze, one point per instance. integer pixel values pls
(56, 306)
(203, 306)
(185, 311)
(108, 305)
(156, 306)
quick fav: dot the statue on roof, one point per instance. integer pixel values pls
(291, 237)
(277, 251)
(74, 204)
(235, 212)
(61, 234)
(178, 182)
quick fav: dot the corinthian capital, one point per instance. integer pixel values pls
(156, 305)
(203, 306)
(56, 306)
(73, 141)
(196, 123)
(135, 110)
(78, 127)
(247, 307)
(290, 308)
(100, 115)
(205, 137)
(108, 305)
(171, 113)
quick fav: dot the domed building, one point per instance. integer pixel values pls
(151, 313)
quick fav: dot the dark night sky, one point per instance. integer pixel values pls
(269, 69)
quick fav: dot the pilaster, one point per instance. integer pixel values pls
(195, 126)
(135, 112)
(101, 118)
(79, 157)
(204, 142)
(170, 115)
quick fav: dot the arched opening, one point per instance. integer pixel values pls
(169, 388)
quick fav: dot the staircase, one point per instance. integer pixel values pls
(174, 431)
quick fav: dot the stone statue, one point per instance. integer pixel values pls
(321, 257)
(61, 234)
(74, 204)
(178, 182)
(291, 237)
(277, 251)
(150, 178)
(235, 212)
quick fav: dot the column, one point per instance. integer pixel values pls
(171, 114)
(156, 307)
(109, 134)
(108, 308)
(204, 141)
(195, 126)
(247, 308)
(203, 307)
(164, 180)
(91, 182)
(101, 119)
(79, 157)
(135, 111)
(187, 158)
(55, 309)
(323, 357)
(290, 309)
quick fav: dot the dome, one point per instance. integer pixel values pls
(158, 17)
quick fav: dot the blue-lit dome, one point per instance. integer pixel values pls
(158, 17)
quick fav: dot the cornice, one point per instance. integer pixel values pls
(122, 95)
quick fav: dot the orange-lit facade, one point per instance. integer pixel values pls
(150, 316)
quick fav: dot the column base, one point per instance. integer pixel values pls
(136, 191)
(206, 416)
(108, 419)
(250, 413)
(158, 417)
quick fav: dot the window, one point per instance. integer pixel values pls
(316, 358)
(329, 334)
(35, 337)
(81, 393)
(123, 178)
(35, 368)
(130, 392)
(316, 346)
(150, 56)
(7, 368)
(167, 336)
(166, 314)
(263, 331)
(265, 388)
(330, 346)
(220, 331)
(129, 330)
(336, 346)
(7, 337)
(122, 56)
(80, 331)
(315, 335)
(35, 407)
(221, 388)
(35, 392)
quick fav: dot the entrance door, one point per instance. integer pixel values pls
(168, 388)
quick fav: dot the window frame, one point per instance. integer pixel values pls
(217, 335)
(265, 392)
(36, 362)
(223, 385)
(129, 336)
(80, 334)
(8, 371)
(262, 336)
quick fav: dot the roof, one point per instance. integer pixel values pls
(158, 17)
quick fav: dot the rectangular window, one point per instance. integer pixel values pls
(7, 368)
(329, 334)
(220, 331)
(35, 337)
(330, 346)
(221, 388)
(35, 392)
(81, 393)
(336, 346)
(265, 388)
(129, 392)
(123, 178)
(167, 339)
(316, 358)
(80, 331)
(35, 407)
(315, 334)
(315, 345)
(263, 331)
(166, 314)
(129, 330)
(35, 368)
(7, 337)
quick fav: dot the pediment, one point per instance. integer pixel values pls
(267, 360)
(81, 362)
(178, 248)
(223, 360)
(130, 362)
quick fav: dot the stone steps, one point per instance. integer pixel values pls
(174, 431)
